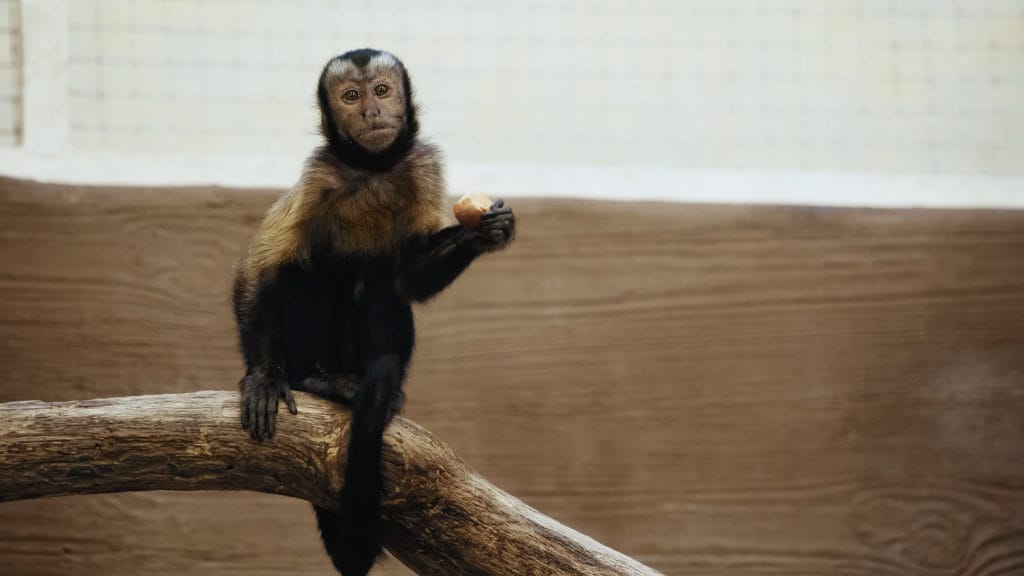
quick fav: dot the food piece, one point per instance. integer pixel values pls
(471, 208)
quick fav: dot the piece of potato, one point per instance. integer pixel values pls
(471, 208)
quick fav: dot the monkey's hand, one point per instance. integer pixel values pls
(260, 395)
(497, 227)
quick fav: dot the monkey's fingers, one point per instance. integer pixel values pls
(504, 221)
(498, 218)
(245, 412)
(257, 419)
(498, 236)
(261, 415)
(270, 416)
(495, 212)
(290, 401)
(252, 415)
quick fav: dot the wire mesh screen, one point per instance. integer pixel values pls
(876, 85)
(10, 73)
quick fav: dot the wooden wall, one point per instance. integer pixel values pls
(713, 390)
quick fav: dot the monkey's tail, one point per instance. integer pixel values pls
(352, 537)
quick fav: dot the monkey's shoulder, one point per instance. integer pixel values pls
(358, 211)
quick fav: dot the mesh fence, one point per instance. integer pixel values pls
(933, 86)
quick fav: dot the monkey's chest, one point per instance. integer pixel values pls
(378, 232)
(378, 214)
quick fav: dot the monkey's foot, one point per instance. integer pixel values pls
(395, 407)
(341, 388)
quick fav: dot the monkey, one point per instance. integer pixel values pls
(323, 296)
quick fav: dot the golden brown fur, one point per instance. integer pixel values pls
(351, 211)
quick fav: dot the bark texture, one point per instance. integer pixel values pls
(440, 517)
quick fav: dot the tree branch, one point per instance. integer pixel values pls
(440, 517)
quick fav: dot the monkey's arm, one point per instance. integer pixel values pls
(430, 263)
(265, 382)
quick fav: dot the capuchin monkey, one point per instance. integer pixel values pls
(322, 296)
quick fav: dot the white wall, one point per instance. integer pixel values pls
(10, 74)
(812, 101)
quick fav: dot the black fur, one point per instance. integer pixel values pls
(346, 316)
(341, 326)
(360, 56)
(430, 264)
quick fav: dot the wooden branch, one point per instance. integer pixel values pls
(440, 517)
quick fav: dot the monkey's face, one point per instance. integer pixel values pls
(369, 105)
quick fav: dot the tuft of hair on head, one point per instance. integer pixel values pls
(367, 60)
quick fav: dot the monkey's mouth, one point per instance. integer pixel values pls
(379, 136)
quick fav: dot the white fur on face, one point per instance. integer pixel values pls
(346, 70)
(381, 63)
(339, 69)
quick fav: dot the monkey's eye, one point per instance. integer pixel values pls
(350, 95)
(381, 89)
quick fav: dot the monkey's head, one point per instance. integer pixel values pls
(366, 108)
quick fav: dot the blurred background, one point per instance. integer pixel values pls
(765, 313)
(664, 91)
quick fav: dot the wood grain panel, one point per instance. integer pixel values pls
(711, 389)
